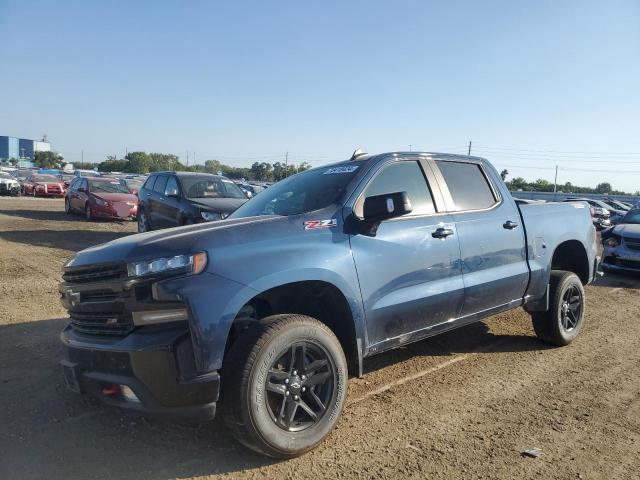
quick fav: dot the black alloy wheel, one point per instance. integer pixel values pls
(300, 383)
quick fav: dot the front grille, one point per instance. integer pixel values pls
(622, 263)
(98, 296)
(102, 323)
(632, 243)
(95, 273)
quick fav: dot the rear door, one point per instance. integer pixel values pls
(492, 240)
(410, 280)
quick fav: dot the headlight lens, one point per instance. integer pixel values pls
(101, 202)
(210, 216)
(612, 241)
(190, 264)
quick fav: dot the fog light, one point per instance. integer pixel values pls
(128, 394)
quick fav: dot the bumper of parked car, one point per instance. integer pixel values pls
(9, 189)
(150, 371)
(115, 211)
(621, 259)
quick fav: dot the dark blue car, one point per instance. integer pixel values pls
(262, 315)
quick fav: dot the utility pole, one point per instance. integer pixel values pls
(187, 158)
(555, 181)
(469, 152)
(286, 165)
(82, 155)
(194, 158)
(410, 147)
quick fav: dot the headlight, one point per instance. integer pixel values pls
(210, 216)
(612, 242)
(101, 202)
(190, 264)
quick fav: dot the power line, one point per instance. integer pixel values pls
(561, 151)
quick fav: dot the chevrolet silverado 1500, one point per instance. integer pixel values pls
(262, 315)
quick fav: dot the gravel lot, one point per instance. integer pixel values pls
(464, 405)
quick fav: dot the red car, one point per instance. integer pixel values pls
(100, 197)
(43, 185)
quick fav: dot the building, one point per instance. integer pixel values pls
(21, 148)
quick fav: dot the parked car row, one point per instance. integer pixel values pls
(100, 197)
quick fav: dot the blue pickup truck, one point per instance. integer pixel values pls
(263, 316)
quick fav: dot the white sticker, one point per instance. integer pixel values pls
(346, 169)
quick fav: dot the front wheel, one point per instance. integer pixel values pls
(562, 323)
(88, 214)
(143, 221)
(284, 384)
(67, 206)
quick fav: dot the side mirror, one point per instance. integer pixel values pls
(383, 207)
(82, 190)
(135, 191)
(378, 208)
(248, 194)
(172, 193)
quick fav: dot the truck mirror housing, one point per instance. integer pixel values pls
(383, 207)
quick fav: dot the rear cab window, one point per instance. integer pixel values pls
(469, 187)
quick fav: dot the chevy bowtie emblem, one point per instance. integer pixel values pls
(72, 297)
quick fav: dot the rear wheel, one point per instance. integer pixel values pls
(562, 323)
(67, 206)
(284, 385)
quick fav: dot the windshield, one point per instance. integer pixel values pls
(304, 192)
(210, 187)
(112, 186)
(5, 175)
(133, 184)
(45, 178)
(617, 205)
(632, 216)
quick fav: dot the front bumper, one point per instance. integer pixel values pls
(621, 259)
(116, 211)
(155, 362)
(9, 189)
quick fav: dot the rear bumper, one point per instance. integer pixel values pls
(156, 363)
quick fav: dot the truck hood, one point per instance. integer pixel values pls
(219, 205)
(628, 230)
(172, 241)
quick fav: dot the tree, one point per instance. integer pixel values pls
(518, 183)
(262, 171)
(212, 166)
(303, 166)
(503, 174)
(139, 162)
(48, 159)
(112, 164)
(603, 187)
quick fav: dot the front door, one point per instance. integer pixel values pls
(410, 276)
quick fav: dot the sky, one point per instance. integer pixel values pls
(531, 84)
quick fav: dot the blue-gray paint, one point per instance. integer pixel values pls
(401, 284)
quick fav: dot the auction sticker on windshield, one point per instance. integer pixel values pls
(347, 169)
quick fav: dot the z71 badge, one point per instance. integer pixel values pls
(314, 224)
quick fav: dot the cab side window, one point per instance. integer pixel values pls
(469, 188)
(148, 185)
(160, 184)
(403, 176)
(172, 186)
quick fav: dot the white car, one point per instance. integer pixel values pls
(9, 185)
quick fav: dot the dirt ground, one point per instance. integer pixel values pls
(462, 405)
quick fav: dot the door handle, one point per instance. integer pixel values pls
(148, 194)
(509, 225)
(442, 233)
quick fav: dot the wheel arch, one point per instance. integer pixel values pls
(319, 299)
(571, 255)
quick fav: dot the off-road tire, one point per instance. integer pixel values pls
(244, 403)
(549, 325)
